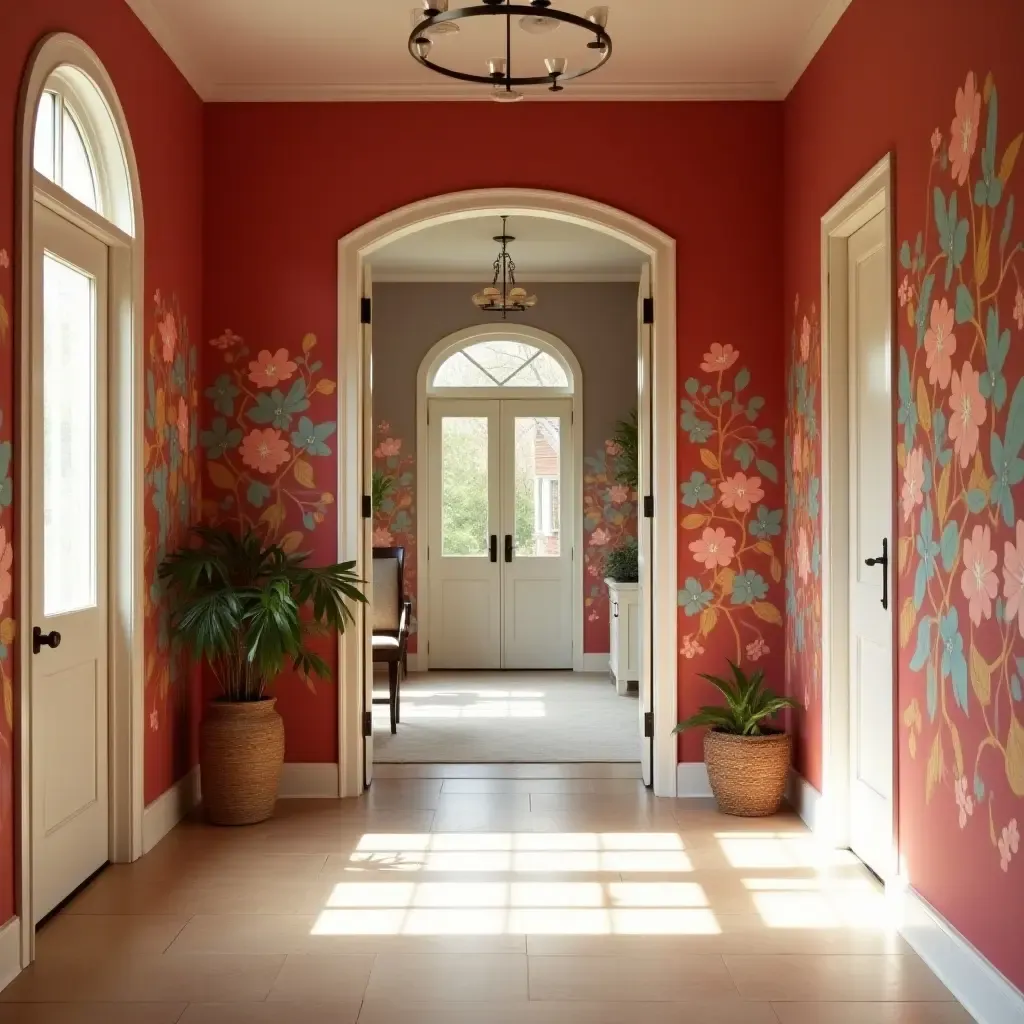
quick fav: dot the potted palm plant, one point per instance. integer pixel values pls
(247, 609)
(747, 761)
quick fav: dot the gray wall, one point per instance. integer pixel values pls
(596, 321)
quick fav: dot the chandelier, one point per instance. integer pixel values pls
(537, 17)
(509, 297)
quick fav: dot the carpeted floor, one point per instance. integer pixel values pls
(479, 717)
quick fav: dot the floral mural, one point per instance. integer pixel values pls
(172, 505)
(609, 520)
(729, 550)
(394, 520)
(8, 628)
(960, 433)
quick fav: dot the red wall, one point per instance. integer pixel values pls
(285, 182)
(888, 79)
(165, 120)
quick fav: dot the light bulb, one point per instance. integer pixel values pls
(446, 28)
(598, 15)
(422, 47)
(496, 67)
(556, 65)
(537, 25)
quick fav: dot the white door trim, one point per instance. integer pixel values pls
(659, 248)
(125, 368)
(869, 197)
(431, 361)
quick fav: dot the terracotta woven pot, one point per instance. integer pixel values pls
(747, 773)
(241, 750)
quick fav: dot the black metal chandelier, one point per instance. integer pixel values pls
(504, 296)
(536, 17)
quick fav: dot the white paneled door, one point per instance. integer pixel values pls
(500, 548)
(68, 614)
(871, 677)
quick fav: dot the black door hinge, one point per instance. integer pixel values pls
(367, 724)
(648, 725)
(367, 506)
(648, 311)
(648, 506)
(366, 310)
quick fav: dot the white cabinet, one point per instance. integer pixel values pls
(624, 623)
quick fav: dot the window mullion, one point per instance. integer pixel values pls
(58, 138)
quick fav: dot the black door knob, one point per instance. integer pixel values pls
(41, 639)
(883, 562)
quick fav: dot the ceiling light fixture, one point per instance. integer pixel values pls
(509, 297)
(536, 18)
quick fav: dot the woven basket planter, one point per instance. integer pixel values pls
(241, 750)
(747, 773)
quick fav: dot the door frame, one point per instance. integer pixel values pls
(356, 248)
(872, 195)
(420, 662)
(126, 345)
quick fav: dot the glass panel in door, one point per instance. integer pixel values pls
(537, 483)
(465, 522)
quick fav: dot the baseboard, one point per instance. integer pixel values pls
(987, 995)
(10, 951)
(594, 663)
(692, 779)
(804, 799)
(169, 808)
(308, 780)
(417, 662)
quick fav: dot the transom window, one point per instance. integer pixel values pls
(501, 364)
(62, 152)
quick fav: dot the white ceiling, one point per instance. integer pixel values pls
(237, 50)
(544, 250)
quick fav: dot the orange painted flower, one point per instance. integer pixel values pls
(182, 425)
(940, 344)
(5, 260)
(968, 413)
(913, 481)
(964, 131)
(6, 560)
(382, 538)
(936, 141)
(978, 581)
(718, 358)
(740, 491)
(714, 548)
(803, 555)
(265, 450)
(168, 328)
(1018, 308)
(388, 448)
(691, 647)
(267, 371)
(1013, 578)
(618, 494)
(805, 340)
(226, 340)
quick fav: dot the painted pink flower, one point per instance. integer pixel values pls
(154, 720)
(940, 344)
(1013, 578)
(183, 430)
(691, 647)
(1018, 308)
(905, 291)
(267, 371)
(388, 448)
(718, 358)
(168, 328)
(978, 581)
(5, 260)
(714, 548)
(964, 800)
(618, 494)
(226, 340)
(1009, 844)
(936, 141)
(382, 538)
(613, 448)
(158, 298)
(265, 450)
(757, 650)
(963, 133)
(803, 555)
(913, 481)
(740, 491)
(968, 413)
(798, 447)
(805, 340)
(6, 560)
(599, 537)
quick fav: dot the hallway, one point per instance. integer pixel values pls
(511, 894)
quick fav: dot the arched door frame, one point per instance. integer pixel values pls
(432, 361)
(124, 235)
(354, 252)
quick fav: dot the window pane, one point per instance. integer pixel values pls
(43, 155)
(459, 372)
(542, 372)
(76, 169)
(464, 494)
(501, 364)
(69, 438)
(537, 474)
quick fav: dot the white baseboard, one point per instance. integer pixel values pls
(308, 780)
(168, 809)
(988, 996)
(10, 951)
(804, 799)
(594, 663)
(692, 779)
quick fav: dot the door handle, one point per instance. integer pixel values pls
(883, 561)
(508, 547)
(41, 639)
(494, 547)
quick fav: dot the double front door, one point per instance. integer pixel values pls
(500, 537)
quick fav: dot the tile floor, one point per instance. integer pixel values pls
(551, 894)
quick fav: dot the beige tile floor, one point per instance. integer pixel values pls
(550, 894)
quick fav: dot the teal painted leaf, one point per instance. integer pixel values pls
(692, 386)
(223, 393)
(767, 470)
(744, 454)
(905, 255)
(948, 546)
(953, 663)
(976, 500)
(1004, 235)
(6, 482)
(150, 401)
(258, 494)
(924, 308)
(964, 304)
(924, 644)
(310, 437)
(932, 691)
(1015, 690)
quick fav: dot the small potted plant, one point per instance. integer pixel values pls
(247, 608)
(747, 761)
(622, 564)
(383, 485)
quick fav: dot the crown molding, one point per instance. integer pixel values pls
(405, 276)
(827, 20)
(146, 11)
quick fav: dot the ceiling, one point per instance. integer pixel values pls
(238, 50)
(543, 250)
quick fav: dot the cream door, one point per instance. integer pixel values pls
(536, 532)
(68, 598)
(871, 678)
(464, 511)
(366, 555)
(645, 486)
